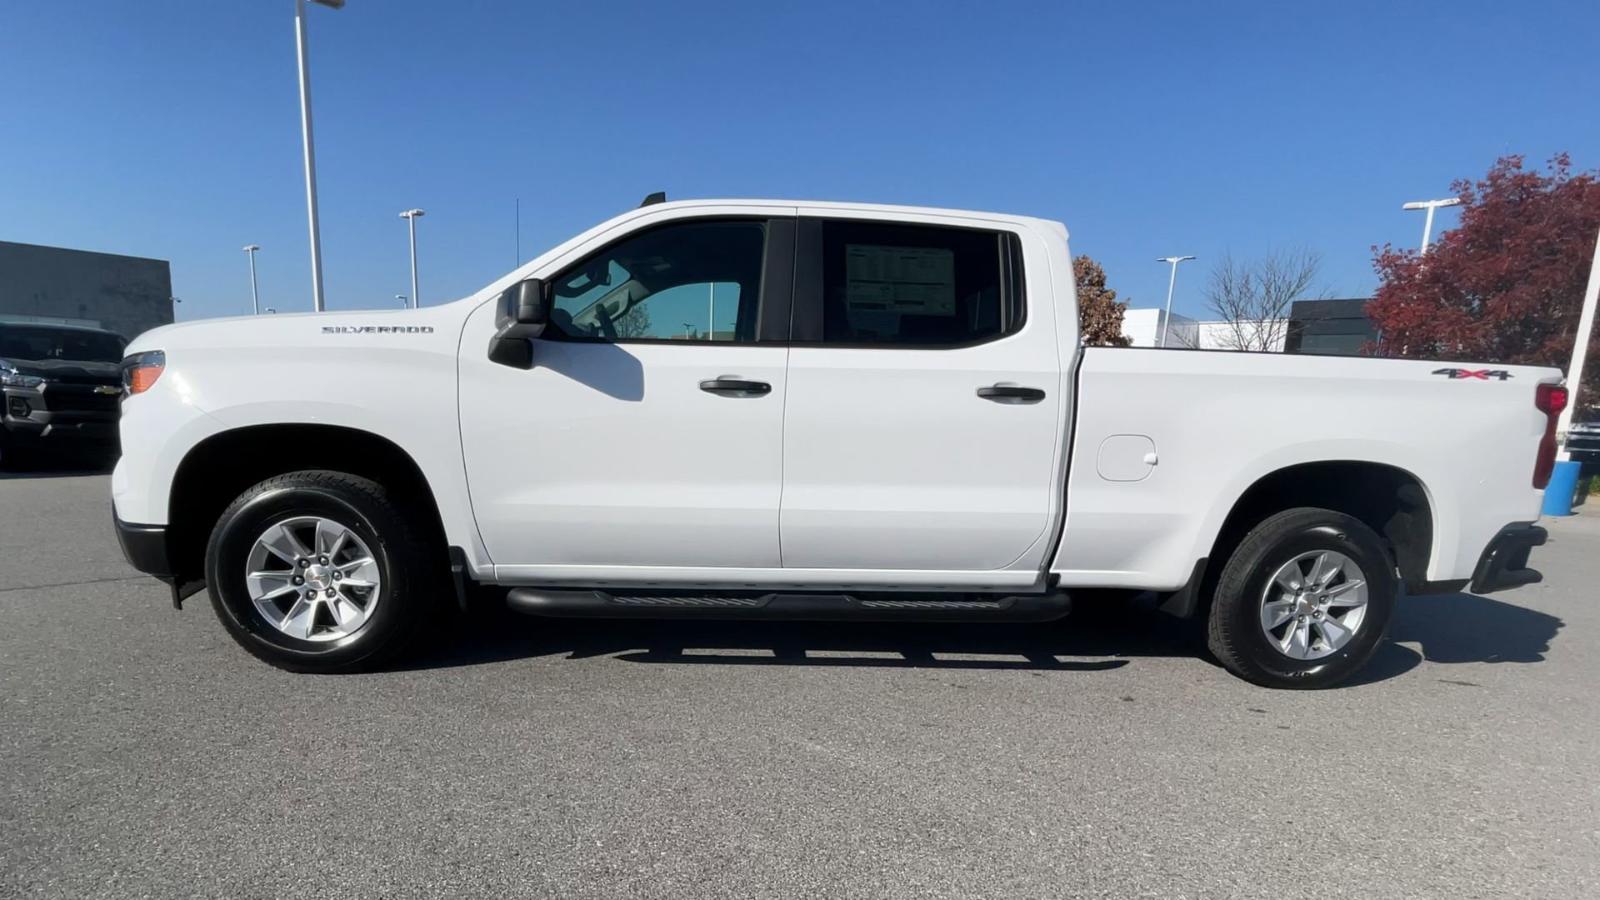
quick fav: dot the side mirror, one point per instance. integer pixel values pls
(524, 311)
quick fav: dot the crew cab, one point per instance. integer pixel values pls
(800, 410)
(59, 387)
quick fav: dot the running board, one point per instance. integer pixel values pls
(594, 604)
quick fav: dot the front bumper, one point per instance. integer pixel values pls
(58, 416)
(148, 548)
(145, 547)
(1504, 563)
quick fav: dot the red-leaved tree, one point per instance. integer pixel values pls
(1505, 286)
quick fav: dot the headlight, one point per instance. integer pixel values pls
(10, 377)
(141, 370)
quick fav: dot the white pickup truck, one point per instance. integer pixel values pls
(799, 410)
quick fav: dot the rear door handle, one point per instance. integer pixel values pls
(1010, 393)
(728, 386)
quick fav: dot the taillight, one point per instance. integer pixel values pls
(140, 371)
(1551, 399)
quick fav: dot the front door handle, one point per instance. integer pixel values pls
(728, 386)
(1010, 393)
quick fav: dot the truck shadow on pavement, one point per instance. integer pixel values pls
(67, 467)
(1461, 628)
(1454, 628)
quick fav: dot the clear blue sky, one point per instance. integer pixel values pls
(170, 129)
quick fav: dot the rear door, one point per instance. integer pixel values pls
(924, 410)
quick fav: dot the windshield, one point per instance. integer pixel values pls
(68, 344)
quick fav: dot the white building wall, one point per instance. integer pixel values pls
(1221, 335)
(1143, 328)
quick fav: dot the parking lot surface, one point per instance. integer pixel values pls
(143, 754)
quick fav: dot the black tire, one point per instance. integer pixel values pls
(1235, 632)
(408, 596)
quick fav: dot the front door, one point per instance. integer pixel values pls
(648, 433)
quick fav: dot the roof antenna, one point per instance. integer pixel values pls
(653, 199)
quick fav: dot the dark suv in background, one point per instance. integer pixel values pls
(1583, 440)
(59, 389)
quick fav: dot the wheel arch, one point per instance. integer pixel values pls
(1392, 501)
(220, 467)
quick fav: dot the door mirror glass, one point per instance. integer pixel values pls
(531, 308)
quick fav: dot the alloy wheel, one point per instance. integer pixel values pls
(313, 578)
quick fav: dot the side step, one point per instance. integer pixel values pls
(596, 604)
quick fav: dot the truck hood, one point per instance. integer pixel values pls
(378, 327)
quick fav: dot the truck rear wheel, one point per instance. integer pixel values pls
(1304, 600)
(319, 571)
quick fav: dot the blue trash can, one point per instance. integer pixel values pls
(1563, 488)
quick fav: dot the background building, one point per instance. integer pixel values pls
(1337, 327)
(125, 294)
(1329, 326)
(1143, 328)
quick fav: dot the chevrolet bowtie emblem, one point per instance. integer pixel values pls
(107, 389)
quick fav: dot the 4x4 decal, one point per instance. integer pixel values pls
(1481, 374)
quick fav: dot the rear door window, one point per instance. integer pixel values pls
(896, 284)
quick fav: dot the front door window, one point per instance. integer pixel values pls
(695, 281)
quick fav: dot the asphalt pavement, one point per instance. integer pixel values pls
(142, 754)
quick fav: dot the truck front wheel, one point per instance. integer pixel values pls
(319, 571)
(1304, 600)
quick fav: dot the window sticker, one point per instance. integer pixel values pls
(907, 280)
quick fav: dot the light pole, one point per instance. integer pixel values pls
(711, 314)
(255, 298)
(1166, 321)
(1427, 223)
(305, 133)
(412, 215)
(402, 299)
(1580, 349)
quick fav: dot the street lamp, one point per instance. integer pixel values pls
(255, 298)
(1580, 349)
(1166, 321)
(305, 133)
(411, 216)
(1427, 223)
(402, 299)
